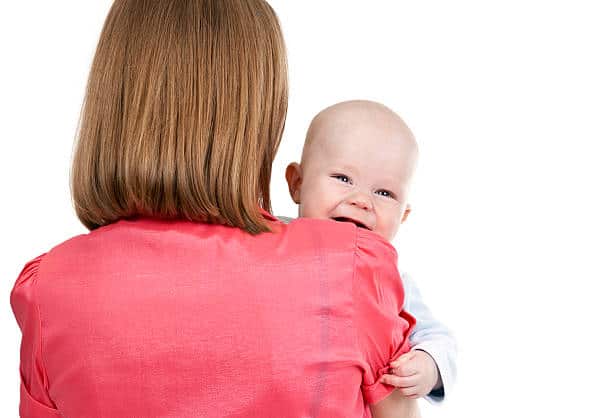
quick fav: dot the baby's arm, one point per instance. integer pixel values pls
(429, 369)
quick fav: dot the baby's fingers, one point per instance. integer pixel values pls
(403, 359)
(405, 369)
(400, 381)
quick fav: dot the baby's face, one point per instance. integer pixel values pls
(358, 170)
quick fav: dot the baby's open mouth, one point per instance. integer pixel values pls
(343, 219)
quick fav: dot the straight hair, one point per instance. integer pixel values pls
(183, 114)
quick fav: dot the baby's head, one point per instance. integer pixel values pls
(357, 163)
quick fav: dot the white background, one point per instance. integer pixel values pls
(510, 236)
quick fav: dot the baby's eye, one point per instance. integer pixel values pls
(342, 178)
(386, 193)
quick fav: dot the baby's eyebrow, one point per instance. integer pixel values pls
(390, 182)
(395, 188)
(347, 167)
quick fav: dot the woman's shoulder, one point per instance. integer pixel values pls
(333, 235)
(68, 251)
(320, 234)
(29, 272)
(22, 294)
(368, 241)
(376, 262)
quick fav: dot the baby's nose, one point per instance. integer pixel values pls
(361, 201)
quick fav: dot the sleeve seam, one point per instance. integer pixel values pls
(40, 348)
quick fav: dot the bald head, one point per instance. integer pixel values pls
(345, 118)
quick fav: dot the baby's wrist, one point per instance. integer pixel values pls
(437, 385)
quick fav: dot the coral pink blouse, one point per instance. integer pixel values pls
(151, 318)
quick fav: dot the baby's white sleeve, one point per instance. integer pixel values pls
(431, 336)
(285, 219)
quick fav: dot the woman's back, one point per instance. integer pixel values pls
(148, 317)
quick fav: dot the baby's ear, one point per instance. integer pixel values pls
(406, 213)
(293, 175)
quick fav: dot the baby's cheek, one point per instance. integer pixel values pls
(389, 229)
(305, 211)
(310, 210)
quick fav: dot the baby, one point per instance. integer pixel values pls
(357, 163)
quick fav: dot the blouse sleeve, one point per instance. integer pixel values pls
(382, 326)
(34, 399)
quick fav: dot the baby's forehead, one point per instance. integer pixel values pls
(345, 115)
(345, 118)
(367, 160)
(364, 128)
(338, 135)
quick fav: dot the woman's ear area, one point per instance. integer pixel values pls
(293, 175)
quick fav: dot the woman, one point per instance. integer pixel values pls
(188, 298)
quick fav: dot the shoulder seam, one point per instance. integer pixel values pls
(353, 286)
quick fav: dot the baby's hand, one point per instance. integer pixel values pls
(415, 374)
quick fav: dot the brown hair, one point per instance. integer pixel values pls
(183, 114)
